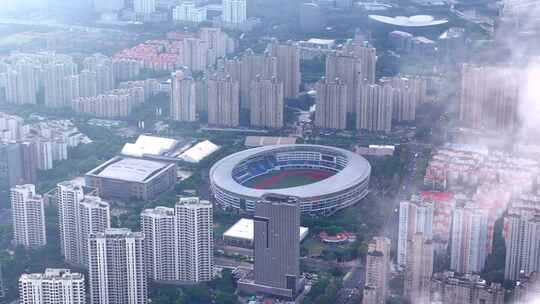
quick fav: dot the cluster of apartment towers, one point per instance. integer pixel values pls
(259, 83)
(175, 245)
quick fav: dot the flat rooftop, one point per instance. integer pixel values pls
(132, 169)
(244, 229)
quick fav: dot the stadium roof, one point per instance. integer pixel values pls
(357, 170)
(243, 229)
(132, 169)
(199, 152)
(412, 21)
(151, 145)
(258, 141)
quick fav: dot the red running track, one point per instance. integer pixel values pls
(314, 174)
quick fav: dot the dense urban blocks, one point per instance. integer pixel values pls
(324, 179)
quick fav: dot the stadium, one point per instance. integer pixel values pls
(324, 179)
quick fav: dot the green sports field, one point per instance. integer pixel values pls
(287, 179)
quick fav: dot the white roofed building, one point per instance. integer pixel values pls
(149, 145)
(241, 234)
(199, 152)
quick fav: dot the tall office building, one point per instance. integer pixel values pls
(117, 273)
(266, 103)
(79, 215)
(28, 216)
(347, 68)
(468, 250)
(179, 241)
(159, 228)
(377, 270)
(450, 288)
(522, 236)
(374, 111)
(144, 8)
(418, 270)
(55, 286)
(414, 217)
(183, 98)
(288, 66)
(194, 230)
(234, 11)
(277, 247)
(367, 56)
(490, 97)
(223, 101)
(331, 103)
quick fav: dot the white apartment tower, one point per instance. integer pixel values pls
(179, 241)
(28, 216)
(183, 98)
(522, 235)
(469, 234)
(55, 286)
(234, 11)
(195, 239)
(414, 217)
(116, 267)
(158, 226)
(79, 216)
(144, 7)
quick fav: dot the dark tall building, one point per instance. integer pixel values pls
(11, 168)
(2, 291)
(29, 162)
(277, 247)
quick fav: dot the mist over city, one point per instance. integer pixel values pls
(269, 151)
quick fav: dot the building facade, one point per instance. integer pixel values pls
(418, 270)
(183, 98)
(55, 286)
(266, 98)
(28, 216)
(117, 273)
(223, 101)
(377, 271)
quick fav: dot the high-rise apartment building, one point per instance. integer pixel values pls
(179, 241)
(55, 286)
(367, 56)
(347, 68)
(490, 97)
(223, 101)
(117, 273)
(449, 288)
(234, 11)
(414, 217)
(22, 82)
(409, 93)
(183, 98)
(331, 103)
(377, 270)
(11, 168)
(144, 8)
(251, 65)
(104, 69)
(469, 239)
(218, 42)
(159, 228)
(55, 81)
(79, 215)
(2, 290)
(194, 54)
(288, 66)
(418, 269)
(28, 216)
(522, 236)
(374, 111)
(277, 247)
(266, 98)
(189, 12)
(195, 240)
